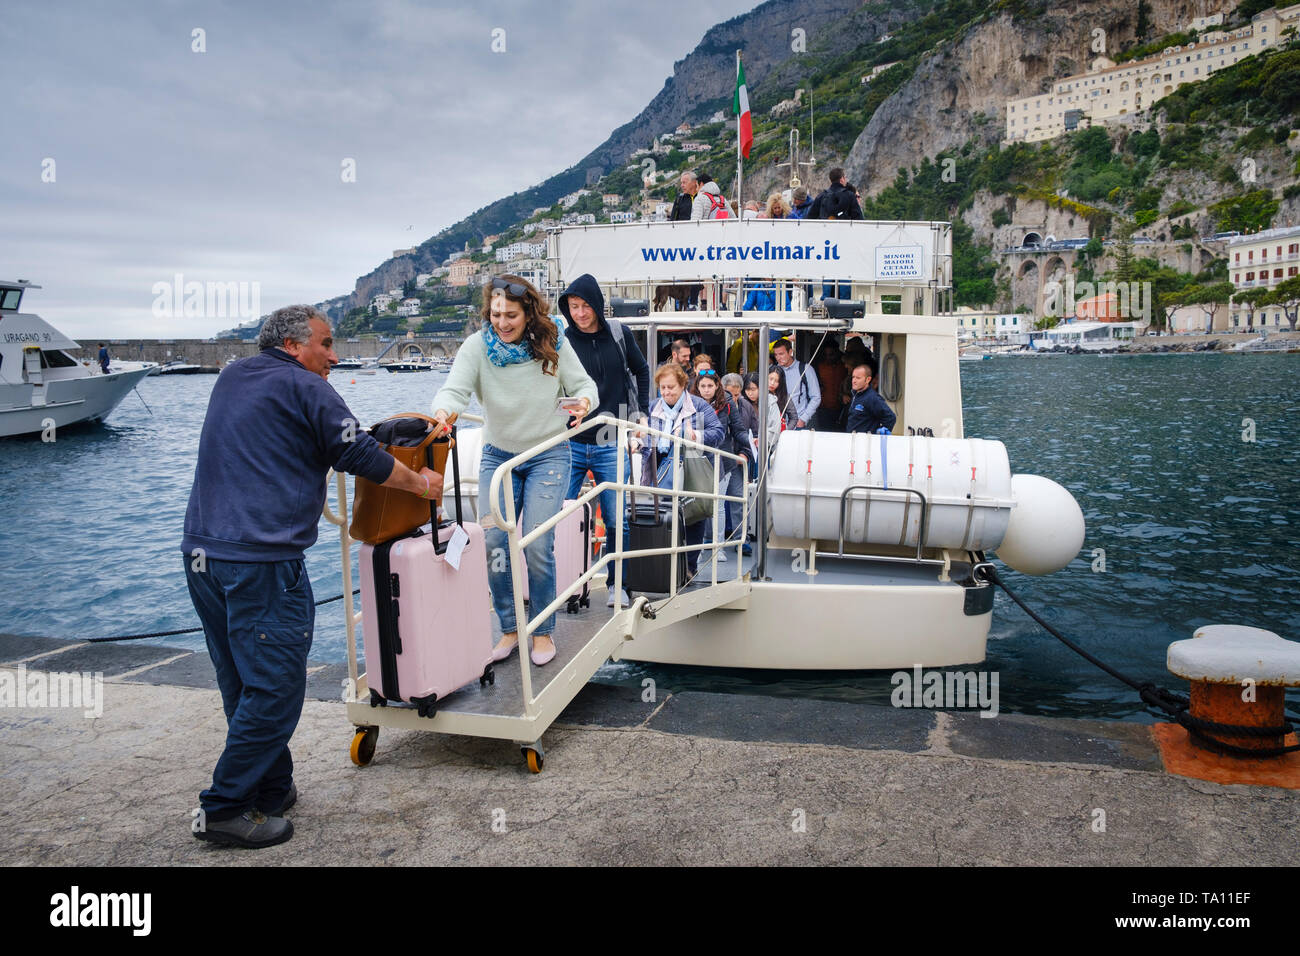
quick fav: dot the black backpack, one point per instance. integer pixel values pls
(837, 203)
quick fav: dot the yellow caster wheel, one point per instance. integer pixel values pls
(362, 750)
(535, 759)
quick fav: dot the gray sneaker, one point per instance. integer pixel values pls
(253, 830)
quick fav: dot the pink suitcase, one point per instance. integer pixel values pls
(426, 625)
(572, 556)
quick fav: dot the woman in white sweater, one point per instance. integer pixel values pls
(519, 367)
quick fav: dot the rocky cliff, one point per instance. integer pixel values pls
(960, 91)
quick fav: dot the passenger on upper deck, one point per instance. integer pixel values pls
(678, 413)
(777, 207)
(866, 410)
(800, 204)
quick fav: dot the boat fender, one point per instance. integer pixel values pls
(1046, 528)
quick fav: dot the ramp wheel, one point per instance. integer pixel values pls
(362, 750)
(534, 758)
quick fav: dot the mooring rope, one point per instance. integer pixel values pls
(1173, 707)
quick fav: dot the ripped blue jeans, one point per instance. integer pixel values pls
(539, 487)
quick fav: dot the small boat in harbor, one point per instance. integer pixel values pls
(180, 367)
(1262, 343)
(42, 386)
(416, 365)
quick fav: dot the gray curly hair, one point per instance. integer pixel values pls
(293, 322)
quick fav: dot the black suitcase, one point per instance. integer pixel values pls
(650, 525)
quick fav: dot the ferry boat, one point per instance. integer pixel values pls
(41, 384)
(868, 550)
(870, 543)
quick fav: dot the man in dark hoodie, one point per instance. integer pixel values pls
(609, 352)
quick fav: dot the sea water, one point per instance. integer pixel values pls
(1187, 468)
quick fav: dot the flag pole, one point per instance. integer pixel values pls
(740, 159)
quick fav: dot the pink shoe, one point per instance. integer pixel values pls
(543, 657)
(501, 651)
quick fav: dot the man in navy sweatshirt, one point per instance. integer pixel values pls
(274, 427)
(622, 379)
(866, 410)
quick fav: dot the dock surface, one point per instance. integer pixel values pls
(688, 778)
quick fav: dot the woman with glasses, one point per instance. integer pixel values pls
(532, 387)
(678, 412)
(726, 405)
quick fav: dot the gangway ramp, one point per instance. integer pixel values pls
(524, 700)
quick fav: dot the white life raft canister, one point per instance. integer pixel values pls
(968, 490)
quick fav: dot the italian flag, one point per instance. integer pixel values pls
(740, 105)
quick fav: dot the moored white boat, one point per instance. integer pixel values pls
(42, 386)
(869, 546)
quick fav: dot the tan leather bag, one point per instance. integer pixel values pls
(381, 514)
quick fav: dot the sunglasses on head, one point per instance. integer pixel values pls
(707, 371)
(514, 288)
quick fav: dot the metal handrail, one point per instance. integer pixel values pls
(509, 523)
(925, 513)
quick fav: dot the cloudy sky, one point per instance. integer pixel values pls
(133, 158)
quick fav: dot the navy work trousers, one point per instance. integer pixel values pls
(258, 620)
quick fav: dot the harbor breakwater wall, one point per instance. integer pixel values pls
(218, 352)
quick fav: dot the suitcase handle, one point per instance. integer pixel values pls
(441, 548)
(654, 478)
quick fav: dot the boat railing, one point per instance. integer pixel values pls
(507, 520)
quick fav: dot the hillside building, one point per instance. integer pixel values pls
(461, 272)
(521, 250)
(1261, 261)
(1109, 90)
(568, 201)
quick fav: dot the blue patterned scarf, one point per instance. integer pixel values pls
(501, 353)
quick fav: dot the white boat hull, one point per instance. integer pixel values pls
(66, 401)
(835, 628)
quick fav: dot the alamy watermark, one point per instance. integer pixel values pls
(952, 690)
(206, 300)
(1132, 299)
(73, 909)
(23, 688)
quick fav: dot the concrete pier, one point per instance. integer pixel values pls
(694, 778)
